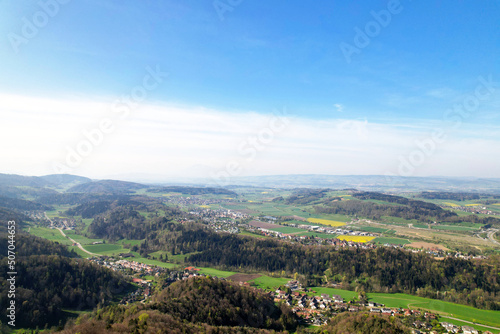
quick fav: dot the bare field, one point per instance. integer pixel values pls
(243, 277)
(256, 223)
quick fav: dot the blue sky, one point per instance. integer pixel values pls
(238, 64)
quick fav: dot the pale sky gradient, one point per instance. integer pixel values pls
(231, 73)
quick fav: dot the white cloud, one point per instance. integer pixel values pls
(161, 139)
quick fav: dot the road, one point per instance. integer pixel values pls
(77, 243)
(73, 241)
(472, 323)
(491, 236)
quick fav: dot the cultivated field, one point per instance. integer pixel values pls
(242, 277)
(325, 222)
(256, 223)
(355, 238)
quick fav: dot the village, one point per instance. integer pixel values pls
(311, 307)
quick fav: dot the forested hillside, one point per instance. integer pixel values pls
(50, 278)
(196, 305)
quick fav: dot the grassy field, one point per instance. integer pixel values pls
(254, 235)
(106, 249)
(270, 283)
(50, 234)
(79, 251)
(216, 272)
(80, 238)
(371, 229)
(491, 318)
(355, 238)
(393, 241)
(421, 226)
(454, 228)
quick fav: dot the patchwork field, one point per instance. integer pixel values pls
(355, 238)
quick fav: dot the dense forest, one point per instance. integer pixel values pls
(380, 270)
(455, 196)
(195, 190)
(23, 205)
(50, 278)
(196, 305)
(123, 222)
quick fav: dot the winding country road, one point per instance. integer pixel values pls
(491, 236)
(73, 241)
(77, 243)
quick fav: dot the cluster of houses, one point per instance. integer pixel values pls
(195, 200)
(142, 293)
(62, 223)
(221, 220)
(316, 310)
(123, 264)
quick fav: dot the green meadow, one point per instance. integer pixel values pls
(269, 283)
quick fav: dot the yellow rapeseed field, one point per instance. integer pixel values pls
(451, 204)
(325, 222)
(355, 238)
(472, 204)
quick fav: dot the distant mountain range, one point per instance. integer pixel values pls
(10, 183)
